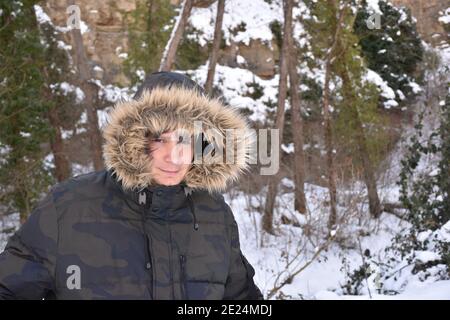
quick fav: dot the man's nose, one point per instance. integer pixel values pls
(172, 153)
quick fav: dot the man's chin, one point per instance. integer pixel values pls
(168, 181)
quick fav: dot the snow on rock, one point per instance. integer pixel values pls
(41, 16)
(247, 19)
(445, 18)
(234, 85)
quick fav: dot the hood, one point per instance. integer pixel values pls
(158, 109)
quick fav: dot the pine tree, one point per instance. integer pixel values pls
(24, 128)
(148, 30)
(394, 50)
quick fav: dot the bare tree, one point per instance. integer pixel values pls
(216, 46)
(178, 29)
(267, 221)
(90, 90)
(297, 132)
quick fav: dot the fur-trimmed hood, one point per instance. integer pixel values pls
(163, 109)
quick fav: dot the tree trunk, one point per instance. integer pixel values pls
(267, 221)
(329, 148)
(330, 58)
(62, 164)
(63, 169)
(90, 91)
(175, 38)
(216, 46)
(297, 132)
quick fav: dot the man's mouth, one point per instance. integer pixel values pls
(170, 172)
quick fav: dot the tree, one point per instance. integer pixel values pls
(24, 127)
(267, 221)
(350, 71)
(216, 45)
(297, 125)
(56, 71)
(91, 93)
(330, 58)
(147, 37)
(175, 38)
(394, 50)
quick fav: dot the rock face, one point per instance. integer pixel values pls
(426, 13)
(106, 41)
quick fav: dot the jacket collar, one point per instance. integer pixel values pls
(170, 203)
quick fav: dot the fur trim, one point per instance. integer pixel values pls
(167, 109)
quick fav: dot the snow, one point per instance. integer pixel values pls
(385, 91)
(427, 256)
(415, 87)
(62, 45)
(240, 59)
(445, 18)
(373, 6)
(65, 88)
(373, 77)
(233, 82)
(41, 16)
(112, 93)
(288, 148)
(390, 103)
(83, 27)
(257, 16)
(323, 278)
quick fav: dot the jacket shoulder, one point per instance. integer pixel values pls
(82, 187)
(213, 207)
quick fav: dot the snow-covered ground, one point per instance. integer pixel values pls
(290, 250)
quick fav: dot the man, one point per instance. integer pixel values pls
(154, 224)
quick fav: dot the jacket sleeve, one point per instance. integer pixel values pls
(27, 263)
(240, 284)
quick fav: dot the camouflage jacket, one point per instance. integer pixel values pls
(116, 234)
(90, 240)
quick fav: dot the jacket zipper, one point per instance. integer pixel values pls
(183, 276)
(148, 262)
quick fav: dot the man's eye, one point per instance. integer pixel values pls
(158, 140)
(183, 140)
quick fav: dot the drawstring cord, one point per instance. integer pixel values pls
(191, 206)
(188, 191)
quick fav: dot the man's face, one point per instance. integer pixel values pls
(172, 155)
